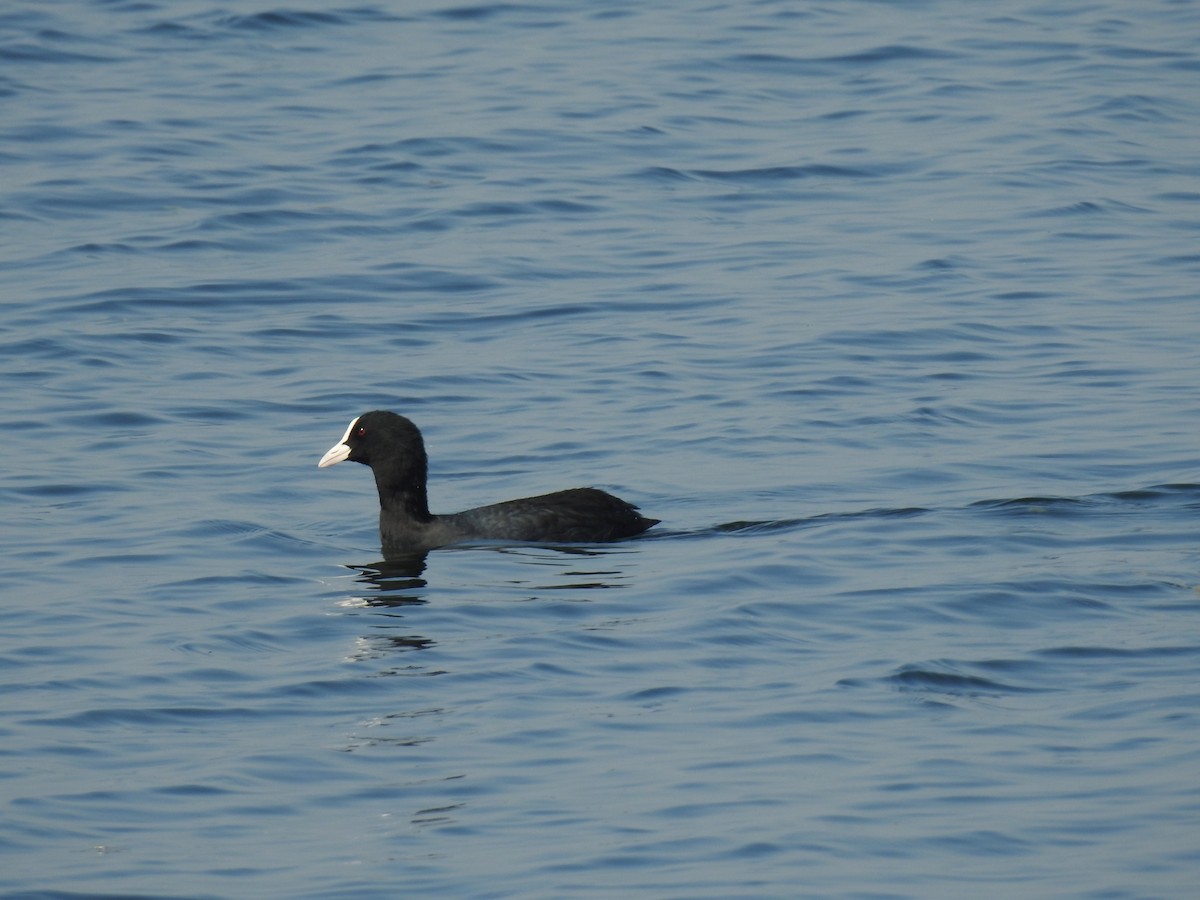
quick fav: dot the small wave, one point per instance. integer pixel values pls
(479, 12)
(941, 677)
(1137, 498)
(94, 719)
(780, 173)
(798, 65)
(30, 53)
(274, 20)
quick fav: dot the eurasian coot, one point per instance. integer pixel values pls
(392, 446)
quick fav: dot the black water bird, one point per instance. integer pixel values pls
(392, 446)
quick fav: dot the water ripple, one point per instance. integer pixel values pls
(889, 317)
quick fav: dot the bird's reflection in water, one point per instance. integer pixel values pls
(387, 586)
(393, 588)
(394, 581)
(397, 581)
(386, 646)
(572, 569)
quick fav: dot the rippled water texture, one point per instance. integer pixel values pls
(888, 311)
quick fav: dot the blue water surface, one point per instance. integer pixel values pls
(888, 311)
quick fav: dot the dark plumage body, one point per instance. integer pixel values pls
(392, 446)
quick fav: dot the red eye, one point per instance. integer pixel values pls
(360, 431)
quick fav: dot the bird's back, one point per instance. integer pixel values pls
(581, 515)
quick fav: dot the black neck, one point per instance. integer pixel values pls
(402, 490)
